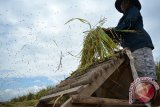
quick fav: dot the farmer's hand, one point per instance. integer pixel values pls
(107, 30)
(112, 34)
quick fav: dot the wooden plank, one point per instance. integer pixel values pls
(101, 101)
(105, 74)
(69, 104)
(77, 83)
(71, 80)
(100, 75)
(48, 98)
(134, 72)
(116, 85)
(41, 104)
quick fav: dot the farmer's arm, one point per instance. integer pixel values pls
(130, 20)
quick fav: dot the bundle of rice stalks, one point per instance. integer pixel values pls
(97, 46)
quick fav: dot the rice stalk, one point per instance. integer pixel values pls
(97, 46)
(82, 20)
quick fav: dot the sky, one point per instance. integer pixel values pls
(33, 38)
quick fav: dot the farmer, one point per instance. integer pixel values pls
(138, 42)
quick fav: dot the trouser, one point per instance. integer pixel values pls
(144, 63)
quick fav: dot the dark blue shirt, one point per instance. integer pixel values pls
(132, 20)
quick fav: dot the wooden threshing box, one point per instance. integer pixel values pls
(105, 84)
